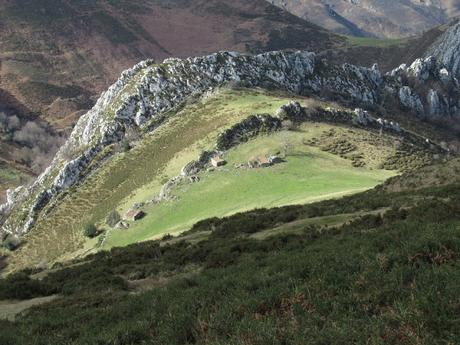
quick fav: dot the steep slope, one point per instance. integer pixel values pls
(378, 267)
(374, 18)
(388, 53)
(151, 174)
(150, 98)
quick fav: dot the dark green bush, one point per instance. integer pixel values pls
(21, 286)
(90, 230)
(11, 242)
(112, 219)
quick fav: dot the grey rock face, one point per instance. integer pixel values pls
(410, 99)
(438, 105)
(433, 104)
(291, 111)
(423, 69)
(362, 117)
(11, 197)
(447, 49)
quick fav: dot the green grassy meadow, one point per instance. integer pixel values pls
(308, 174)
(375, 42)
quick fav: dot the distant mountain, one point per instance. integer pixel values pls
(374, 18)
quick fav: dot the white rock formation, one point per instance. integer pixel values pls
(447, 49)
(410, 99)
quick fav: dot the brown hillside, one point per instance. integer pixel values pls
(57, 56)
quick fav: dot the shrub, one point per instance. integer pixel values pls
(11, 242)
(126, 145)
(20, 286)
(112, 219)
(90, 230)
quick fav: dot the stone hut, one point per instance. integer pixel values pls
(134, 215)
(217, 161)
(274, 159)
(264, 162)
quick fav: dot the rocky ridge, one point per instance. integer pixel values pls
(374, 18)
(146, 93)
(427, 88)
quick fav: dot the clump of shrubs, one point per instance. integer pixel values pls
(113, 219)
(21, 286)
(11, 242)
(90, 230)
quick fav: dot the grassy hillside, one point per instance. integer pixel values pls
(373, 268)
(308, 174)
(158, 157)
(321, 161)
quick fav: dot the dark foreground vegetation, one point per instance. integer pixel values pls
(389, 277)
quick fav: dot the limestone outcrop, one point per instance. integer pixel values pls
(446, 49)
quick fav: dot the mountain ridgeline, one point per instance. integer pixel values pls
(143, 96)
(374, 18)
(447, 48)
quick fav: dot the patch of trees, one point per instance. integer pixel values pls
(39, 143)
(247, 129)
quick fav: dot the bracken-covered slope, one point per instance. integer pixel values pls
(374, 18)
